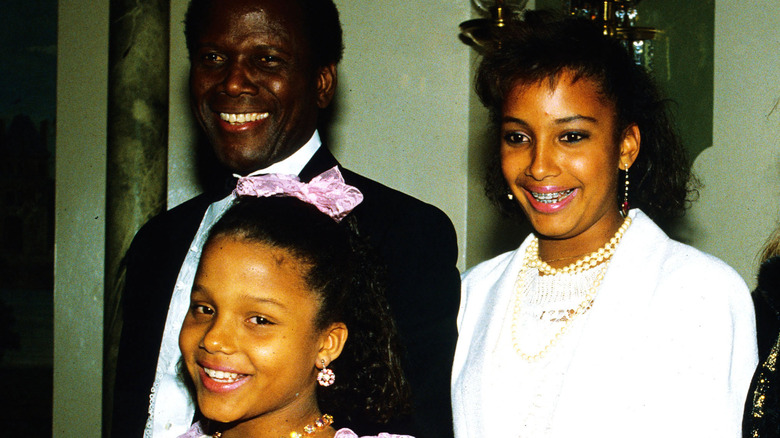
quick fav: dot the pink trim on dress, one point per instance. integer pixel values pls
(347, 433)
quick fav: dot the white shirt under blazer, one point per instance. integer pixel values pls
(667, 350)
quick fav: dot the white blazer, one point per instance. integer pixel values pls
(668, 350)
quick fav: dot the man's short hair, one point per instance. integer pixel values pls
(321, 26)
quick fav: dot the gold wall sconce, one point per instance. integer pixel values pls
(618, 18)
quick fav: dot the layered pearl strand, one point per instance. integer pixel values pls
(308, 430)
(599, 258)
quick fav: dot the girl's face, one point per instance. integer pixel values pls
(249, 341)
(560, 158)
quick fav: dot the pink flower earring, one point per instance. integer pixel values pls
(326, 377)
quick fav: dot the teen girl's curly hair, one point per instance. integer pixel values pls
(541, 48)
(348, 281)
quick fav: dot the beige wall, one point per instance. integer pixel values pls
(403, 99)
(741, 171)
(182, 184)
(409, 119)
(80, 216)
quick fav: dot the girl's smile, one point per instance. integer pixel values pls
(221, 381)
(549, 199)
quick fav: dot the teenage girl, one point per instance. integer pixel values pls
(284, 288)
(598, 324)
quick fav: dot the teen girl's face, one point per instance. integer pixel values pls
(249, 341)
(560, 157)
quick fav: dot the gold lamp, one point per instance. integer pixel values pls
(618, 18)
(482, 33)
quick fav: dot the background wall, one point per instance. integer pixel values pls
(741, 171)
(402, 105)
(82, 92)
(409, 119)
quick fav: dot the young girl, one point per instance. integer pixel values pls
(282, 291)
(598, 324)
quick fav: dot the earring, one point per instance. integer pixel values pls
(510, 196)
(624, 205)
(326, 376)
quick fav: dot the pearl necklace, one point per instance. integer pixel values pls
(308, 430)
(589, 261)
(532, 261)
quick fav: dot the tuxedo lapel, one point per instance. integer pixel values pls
(320, 162)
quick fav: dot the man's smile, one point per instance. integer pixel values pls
(237, 119)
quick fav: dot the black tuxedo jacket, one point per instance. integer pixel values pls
(416, 241)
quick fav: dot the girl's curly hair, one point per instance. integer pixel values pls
(542, 47)
(344, 273)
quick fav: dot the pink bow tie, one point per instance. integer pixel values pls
(327, 191)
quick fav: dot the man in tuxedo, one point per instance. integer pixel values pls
(261, 71)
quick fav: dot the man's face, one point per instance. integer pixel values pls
(254, 88)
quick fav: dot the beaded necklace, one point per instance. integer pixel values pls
(308, 430)
(532, 260)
